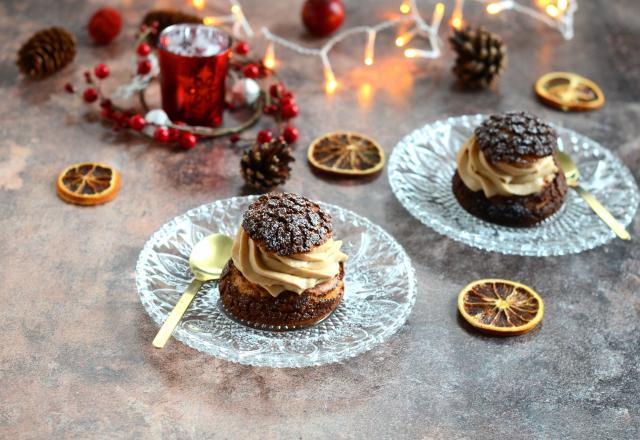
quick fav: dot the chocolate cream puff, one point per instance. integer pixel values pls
(286, 270)
(507, 173)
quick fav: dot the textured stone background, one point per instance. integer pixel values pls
(76, 359)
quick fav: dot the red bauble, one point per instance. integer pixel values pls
(90, 94)
(251, 71)
(264, 136)
(144, 67)
(143, 49)
(291, 134)
(137, 122)
(105, 25)
(101, 71)
(289, 111)
(322, 17)
(242, 48)
(188, 140)
(161, 134)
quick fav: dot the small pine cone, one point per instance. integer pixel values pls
(46, 52)
(482, 57)
(266, 165)
(166, 18)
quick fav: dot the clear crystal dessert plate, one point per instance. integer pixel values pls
(422, 165)
(380, 290)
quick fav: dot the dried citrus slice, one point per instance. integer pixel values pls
(500, 307)
(569, 91)
(88, 183)
(346, 153)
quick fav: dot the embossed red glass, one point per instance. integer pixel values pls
(194, 60)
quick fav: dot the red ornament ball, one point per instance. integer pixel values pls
(90, 95)
(322, 17)
(143, 49)
(101, 71)
(137, 122)
(251, 71)
(289, 111)
(291, 134)
(144, 67)
(161, 134)
(242, 48)
(264, 136)
(188, 140)
(105, 25)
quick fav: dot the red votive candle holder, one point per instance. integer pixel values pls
(194, 60)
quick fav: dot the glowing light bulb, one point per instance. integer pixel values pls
(563, 5)
(198, 4)
(405, 38)
(552, 10)
(405, 7)
(210, 21)
(438, 12)
(330, 84)
(269, 59)
(410, 53)
(456, 16)
(498, 7)
(235, 9)
(369, 48)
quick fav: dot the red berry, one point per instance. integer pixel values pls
(174, 134)
(264, 136)
(106, 112)
(105, 25)
(101, 71)
(188, 140)
(90, 94)
(87, 77)
(69, 88)
(161, 134)
(242, 48)
(287, 101)
(322, 17)
(251, 71)
(234, 138)
(276, 90)
(144, 67)
(289, 111)
(137, 122)
(291, 134)
(143, 49)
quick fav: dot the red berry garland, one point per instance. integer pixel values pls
(104, 25)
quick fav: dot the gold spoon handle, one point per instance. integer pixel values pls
(176, 314)
(603, 213)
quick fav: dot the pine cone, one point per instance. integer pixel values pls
(166, 18)
(482, 57)
(46, 52)
(266, 165)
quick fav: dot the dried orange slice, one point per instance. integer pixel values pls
(569, 91)
(88, 183)
(500, 307)
(346, 153)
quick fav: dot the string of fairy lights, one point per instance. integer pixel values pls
(557, 14)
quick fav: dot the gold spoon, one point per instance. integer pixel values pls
(572, 174)
(206, 261)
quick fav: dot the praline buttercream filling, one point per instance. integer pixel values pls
(276, 273)
(501, 178)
